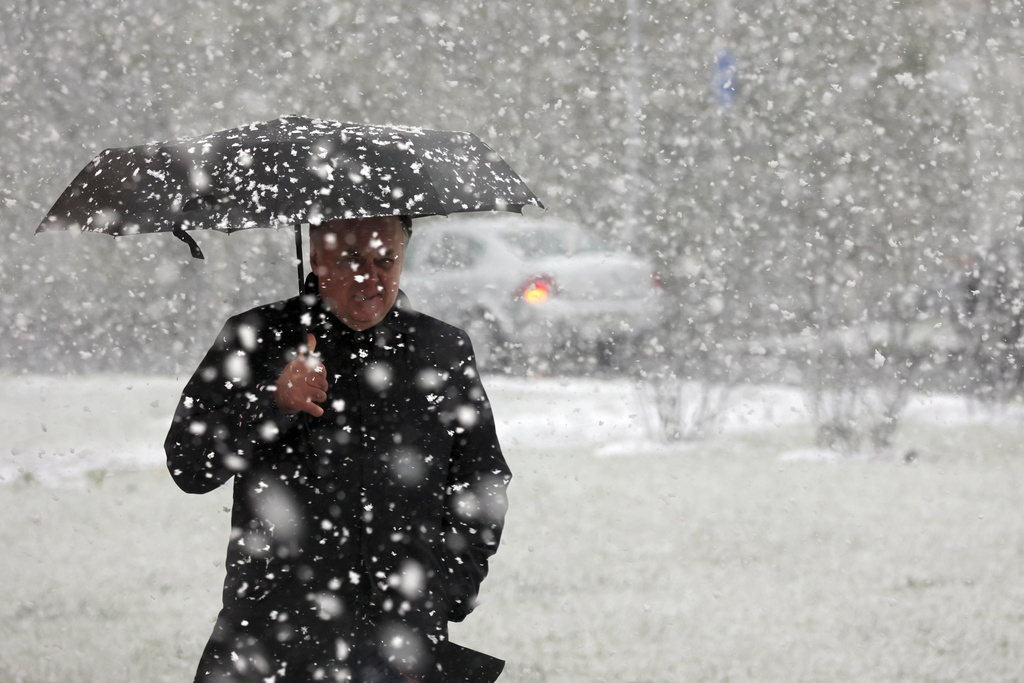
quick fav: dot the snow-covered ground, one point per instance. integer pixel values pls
(55, 428)
(623, 559)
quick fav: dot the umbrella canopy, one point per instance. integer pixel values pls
(286, 172)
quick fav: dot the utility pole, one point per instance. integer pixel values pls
(634, 146)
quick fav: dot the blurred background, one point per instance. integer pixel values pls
(829, 193)
(824, 199)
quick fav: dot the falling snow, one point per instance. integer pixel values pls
(829, 197)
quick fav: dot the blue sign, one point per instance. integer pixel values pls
(725, 79)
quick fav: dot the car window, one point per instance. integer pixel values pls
(542, 243)
(452, 251)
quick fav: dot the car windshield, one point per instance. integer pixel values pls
(532, 244)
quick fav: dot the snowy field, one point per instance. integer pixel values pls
(748, 556)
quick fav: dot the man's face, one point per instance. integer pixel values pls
(359, 263)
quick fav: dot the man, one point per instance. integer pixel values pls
(369, 486)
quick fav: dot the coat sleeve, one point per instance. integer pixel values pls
(225, 412)
(476, 499)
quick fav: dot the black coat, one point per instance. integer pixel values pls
(374, 520)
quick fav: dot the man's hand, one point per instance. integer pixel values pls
(302, 384)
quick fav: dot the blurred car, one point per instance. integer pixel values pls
(529, 289)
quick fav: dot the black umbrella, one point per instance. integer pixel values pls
(286, 172)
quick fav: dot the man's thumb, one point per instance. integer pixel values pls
(311, 342)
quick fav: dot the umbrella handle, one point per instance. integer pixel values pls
(298, 254)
